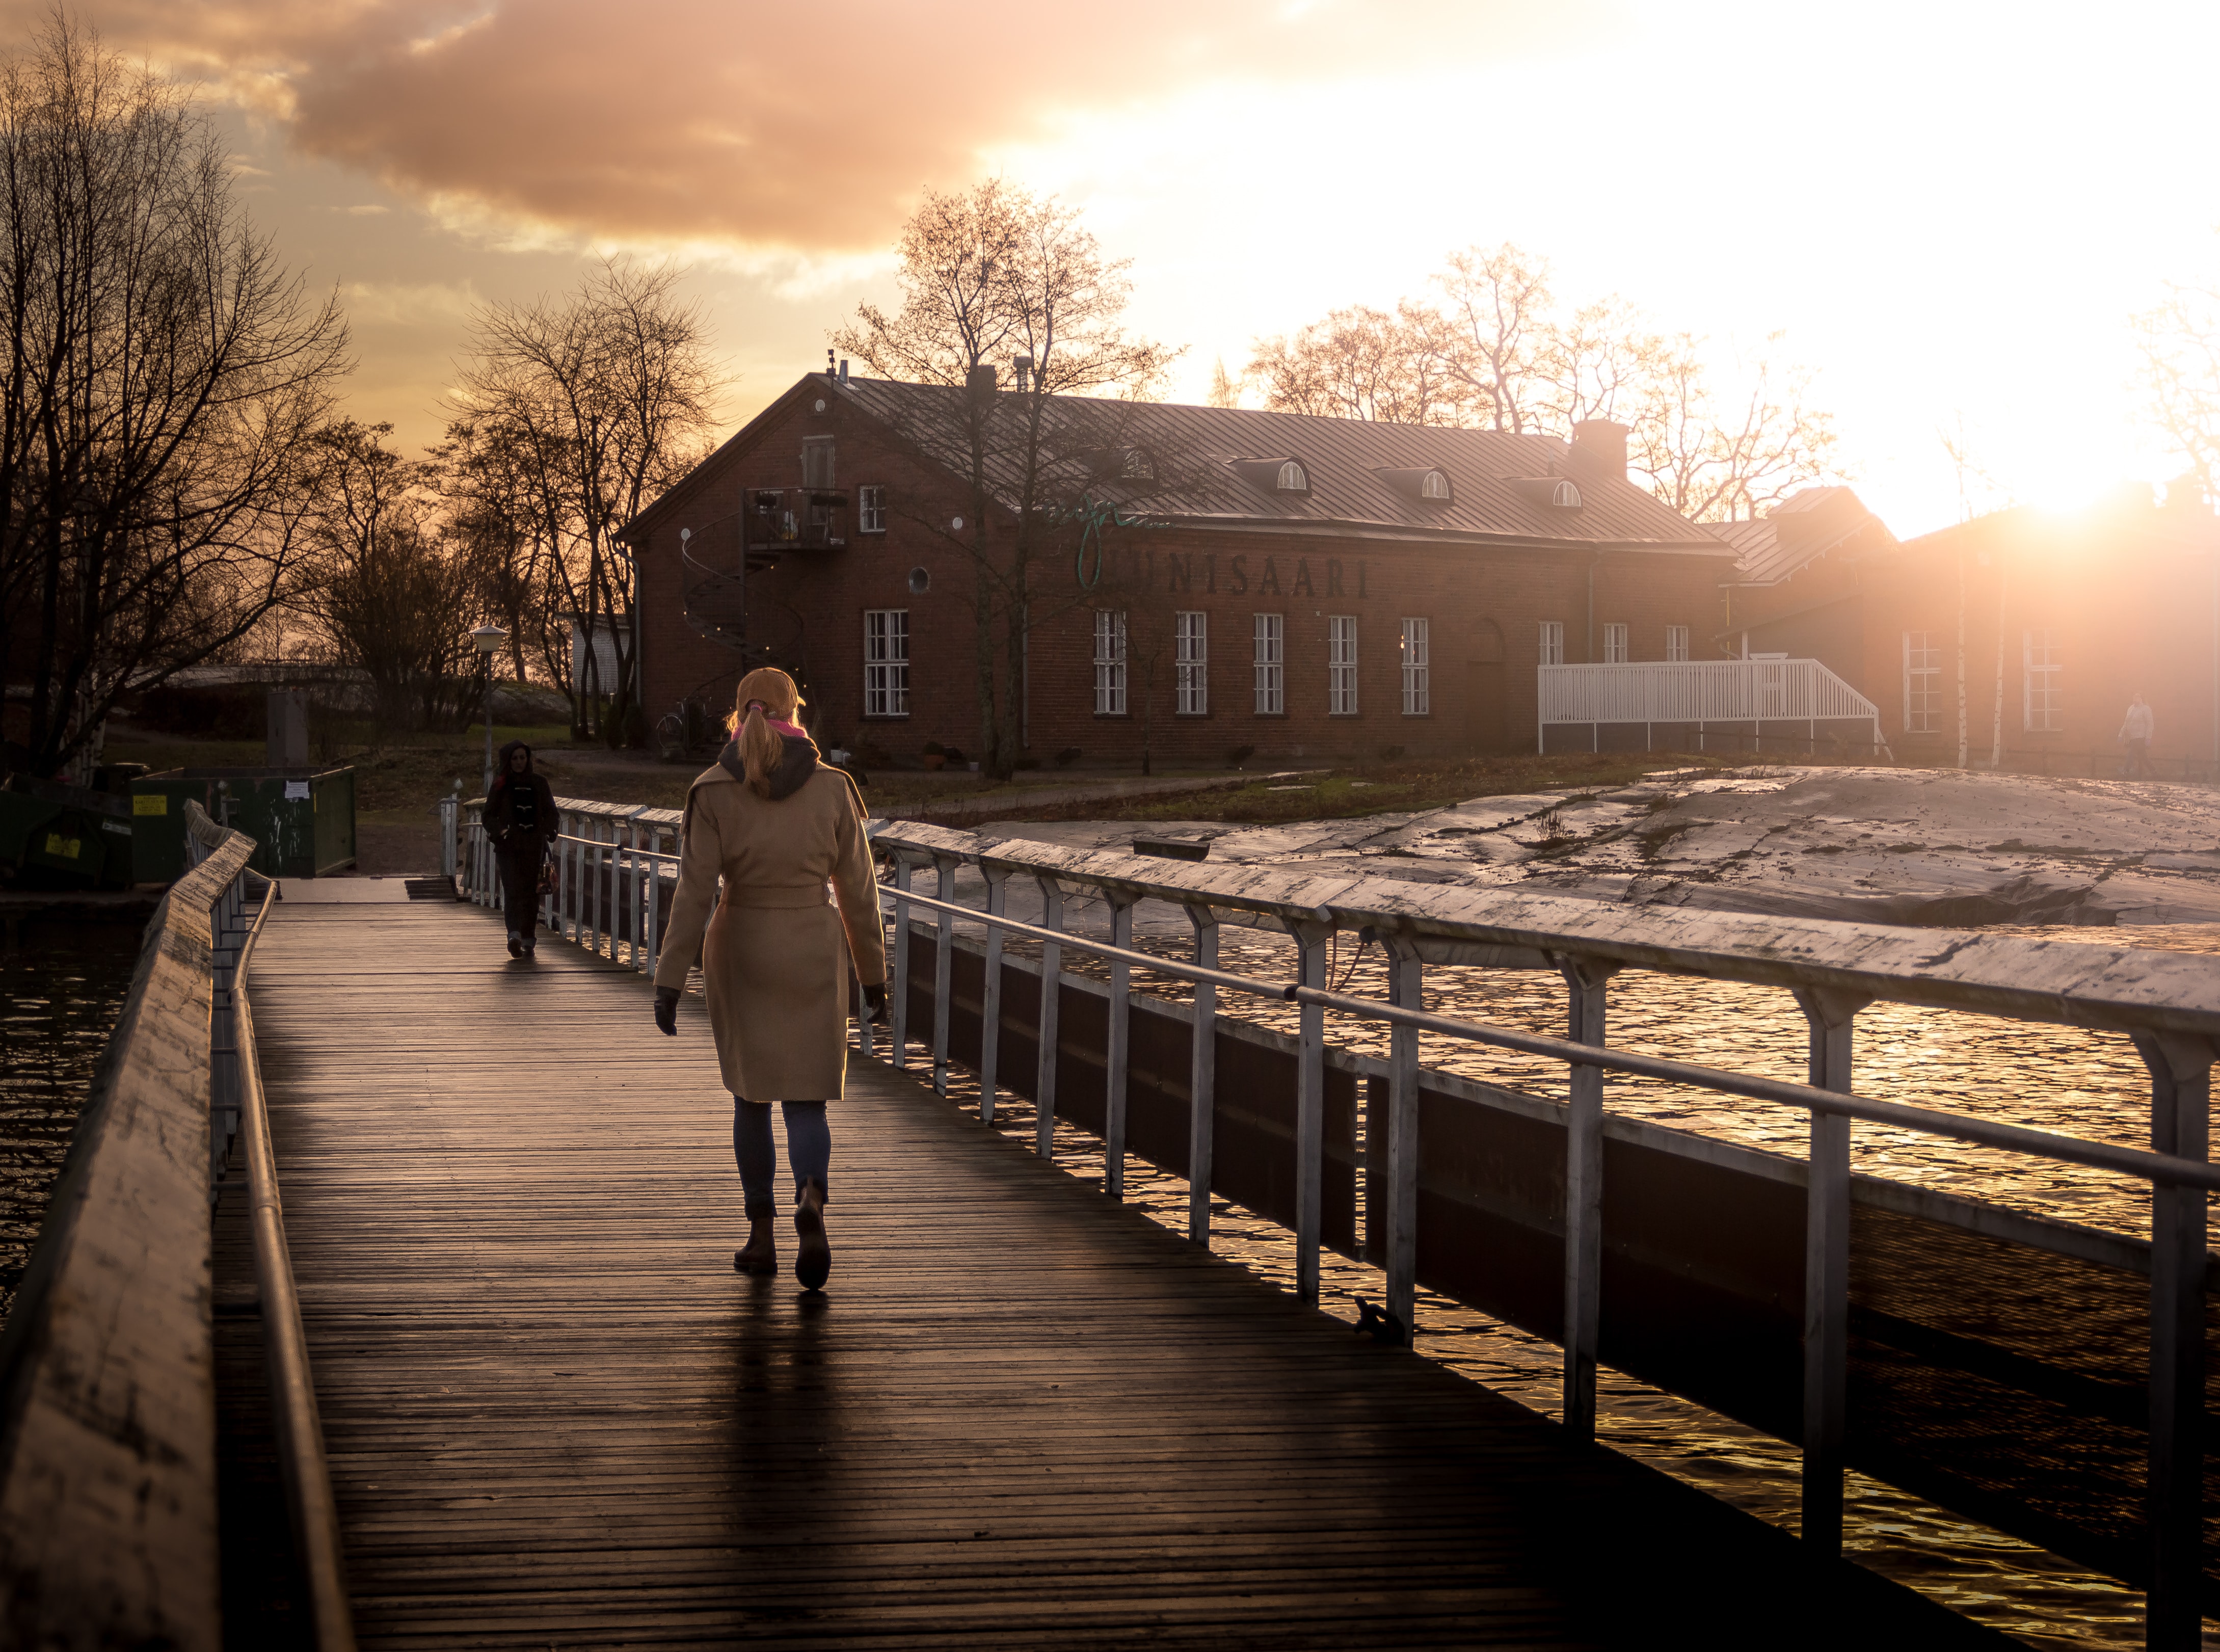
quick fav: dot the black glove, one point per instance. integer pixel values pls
(666, 1010)
(874, 1001)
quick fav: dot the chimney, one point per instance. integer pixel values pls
(844, 370)
(1600, 445)
(1021, 370)
(981, 382)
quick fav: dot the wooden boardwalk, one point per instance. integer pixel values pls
(1020, 1415)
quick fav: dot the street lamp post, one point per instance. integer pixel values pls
(488, 638)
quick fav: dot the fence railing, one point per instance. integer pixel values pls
(1693, 693)
(108, 1518)
(1771, 1289)
(1437, 1205)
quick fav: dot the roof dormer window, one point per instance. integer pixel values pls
(1565, 496)
(1282, 474)
(1293, 478)
(1137, 466)
(1433, 485)
(1557, 492)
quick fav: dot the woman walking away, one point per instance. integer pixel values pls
(520, 819)
(778, 956)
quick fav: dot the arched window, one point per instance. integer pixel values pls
(1139, 465)
(1434, 485)
(1566, 494)
(1293, 479)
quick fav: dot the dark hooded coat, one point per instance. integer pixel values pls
(500, 815)
(778, 953)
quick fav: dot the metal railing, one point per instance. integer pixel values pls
(613, 883)
(1695, 692)
(2169, 1003)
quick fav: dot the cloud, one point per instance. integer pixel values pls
(772, 128)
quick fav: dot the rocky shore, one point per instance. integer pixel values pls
(1876, 846)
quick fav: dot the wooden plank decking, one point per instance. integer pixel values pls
(1020, 1415)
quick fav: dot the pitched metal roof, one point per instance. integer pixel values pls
(1802, 528)
(1193, 452)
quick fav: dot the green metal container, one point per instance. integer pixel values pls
(53, 835)
(302, 819)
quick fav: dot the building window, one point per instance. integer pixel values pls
(1271, 665)
(1341, 664)
(1676, 642)
(2045, 715)
(1417, 699)
(1293, 478)
(1433, 485)
(1553, 642)
(1614, 646)
(1923, 683)
(886, 663)
(871, 510)
(1191, 649)
(1109, 663)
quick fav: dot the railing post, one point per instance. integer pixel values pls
(1052, 980)
(943, 968)
(990, 997)
(1405, 989)
(1202, 1077)
(1311, 941)
(1115, 1057)
(899, 1033)
(654, 916)
(1586, 979)
(449, 809)
(2181, 1094)
(1831, 1016)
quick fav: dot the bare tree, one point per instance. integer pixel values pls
(1714, 460)
(1497, 305)
(602, 399)
(2177, 345)
(1225, 391)
(388, 594)
(163, 380)
(483, 481)
(994, 276)
(1362, 362)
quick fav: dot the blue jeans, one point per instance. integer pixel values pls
(809, 1150)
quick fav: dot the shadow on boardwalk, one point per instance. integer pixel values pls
(1021, 1416)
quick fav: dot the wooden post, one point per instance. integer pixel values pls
(1585, 979)
(2181, 1097)
(1202, 1077)
(1115, 1064)
(990, 999)
(1051, 978)
(1311, 941)
(1405, 989)
(900, 1039)
(944, 967)
(1831, 1016)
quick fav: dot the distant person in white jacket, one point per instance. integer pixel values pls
(2136, 735)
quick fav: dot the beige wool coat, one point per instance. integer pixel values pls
(779, 957)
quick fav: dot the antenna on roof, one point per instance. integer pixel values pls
(828, 364)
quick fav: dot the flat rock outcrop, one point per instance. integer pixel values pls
(1876, 846)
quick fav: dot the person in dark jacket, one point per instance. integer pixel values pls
(520, 821)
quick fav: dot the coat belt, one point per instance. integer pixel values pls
(758, 898)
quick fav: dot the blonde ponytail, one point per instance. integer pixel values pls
(764, 693)
(760, 750)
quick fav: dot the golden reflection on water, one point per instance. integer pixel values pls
(2069, 1079)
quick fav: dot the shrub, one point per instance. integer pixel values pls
(935, 749)
(1066, 757)
(1389, 753)
(955, 755)
(1239, 755)
(1027, 762)
(872, 752)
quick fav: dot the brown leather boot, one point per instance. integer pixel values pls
(759, 1256)
(814, 1262)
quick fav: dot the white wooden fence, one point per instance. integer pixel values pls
(1683, 693)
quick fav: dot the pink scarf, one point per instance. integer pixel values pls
(787, 729)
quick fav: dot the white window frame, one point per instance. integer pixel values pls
(1191, 663)
(1293, 478)
(1615, 651)
(886, 662)
(1417, 691)
(2039, 668)
(1433, 485)
(1271, 667)
(1923, 683)
(871, 510)
(1676, 642)
(1109, 662)
(1341, 665)
(1553, 642)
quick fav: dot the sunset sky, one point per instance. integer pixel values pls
(1950, 210)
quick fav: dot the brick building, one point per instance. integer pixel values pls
(1219, 578)
(2065, 616)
